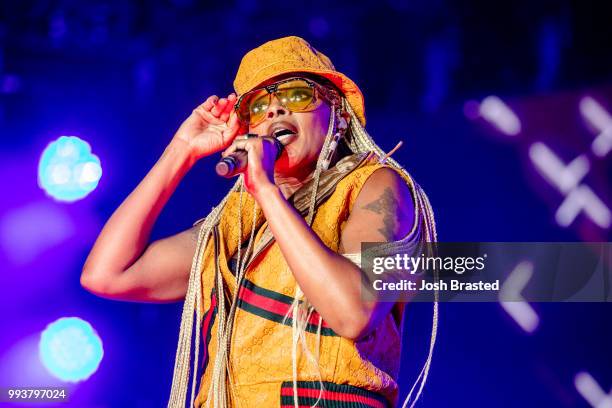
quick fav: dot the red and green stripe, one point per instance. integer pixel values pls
(332, 396)
(274, 306)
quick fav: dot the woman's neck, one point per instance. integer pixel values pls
(290, 184)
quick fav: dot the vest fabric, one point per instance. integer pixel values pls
(360, 373)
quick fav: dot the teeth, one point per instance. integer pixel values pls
(286, 137)
(283, 132)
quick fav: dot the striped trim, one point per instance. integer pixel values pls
(208, 321)
(333, 396)
(274, 306)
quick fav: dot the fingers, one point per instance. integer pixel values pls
(229, 107)
(224, 106)
(233, 126)
(210, 102)
(219, 107)
(233, 122)
(254, 143)
(217, 111)
(206, 115)
(236, 145)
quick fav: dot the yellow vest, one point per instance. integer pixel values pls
(363, 372)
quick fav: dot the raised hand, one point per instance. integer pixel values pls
(211, 127)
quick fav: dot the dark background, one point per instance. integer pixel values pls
(124, 74)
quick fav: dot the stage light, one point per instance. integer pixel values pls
(567, 178)
(29, 230)
(496, 112)
(601, 121)
(520, 310)
(564, 177)
(583, 199)
(70, 349)
(591, 391)
(67, 170)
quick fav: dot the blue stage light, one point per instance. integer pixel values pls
(70, 349)
(68, 170)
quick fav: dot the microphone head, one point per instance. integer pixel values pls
(279, 147)
(225, 166)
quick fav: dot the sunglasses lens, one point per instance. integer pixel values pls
(296, 95)
(258, 107)
(252, 108)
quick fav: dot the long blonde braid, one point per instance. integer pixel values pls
(193, 298)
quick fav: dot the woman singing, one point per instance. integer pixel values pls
(273, 274)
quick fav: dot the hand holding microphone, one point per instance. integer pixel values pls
(213, 126)
(237, 162)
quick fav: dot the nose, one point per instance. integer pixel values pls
(275, 108)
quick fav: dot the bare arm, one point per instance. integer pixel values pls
(115, 267)
(122, 263)
(382, 212)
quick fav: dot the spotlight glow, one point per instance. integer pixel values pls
(521, 311)
(599, 119)
(68, 170)
(70, 349)
(496, 112)
(592, 391)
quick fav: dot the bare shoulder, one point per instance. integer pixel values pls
(383, 211)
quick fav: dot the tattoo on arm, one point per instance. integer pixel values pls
(387, 205)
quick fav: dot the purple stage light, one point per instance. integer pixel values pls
(20, 365)
(27, 231)
(566, 138)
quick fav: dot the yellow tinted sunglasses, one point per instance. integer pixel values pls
(296, 94)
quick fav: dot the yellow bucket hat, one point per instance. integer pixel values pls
(294, 54)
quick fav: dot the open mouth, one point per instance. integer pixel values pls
(284, 135)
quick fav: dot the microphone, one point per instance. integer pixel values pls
(237, 162)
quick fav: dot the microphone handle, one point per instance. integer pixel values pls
(233, 164)
(236, 162)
